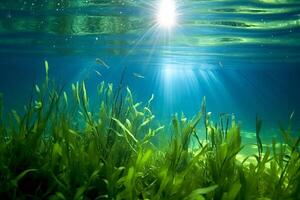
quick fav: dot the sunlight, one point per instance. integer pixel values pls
(175, 82)
(167, 15)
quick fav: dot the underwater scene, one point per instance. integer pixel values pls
(157, 99)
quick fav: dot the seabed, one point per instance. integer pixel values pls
(58, 148)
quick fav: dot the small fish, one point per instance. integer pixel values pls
(98, 73)
(138, 75)
(292, 115)
(221, 65)
(101, 62)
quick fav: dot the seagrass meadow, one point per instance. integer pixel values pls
(59, 148)
(149, 99)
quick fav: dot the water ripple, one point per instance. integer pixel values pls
(262, 29)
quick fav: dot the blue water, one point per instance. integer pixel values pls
(244, 56)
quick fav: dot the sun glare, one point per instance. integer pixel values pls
(166, 15)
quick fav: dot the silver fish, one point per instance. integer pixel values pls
(221, 65)
(98, 73)
(138, 75)
(102, 63)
